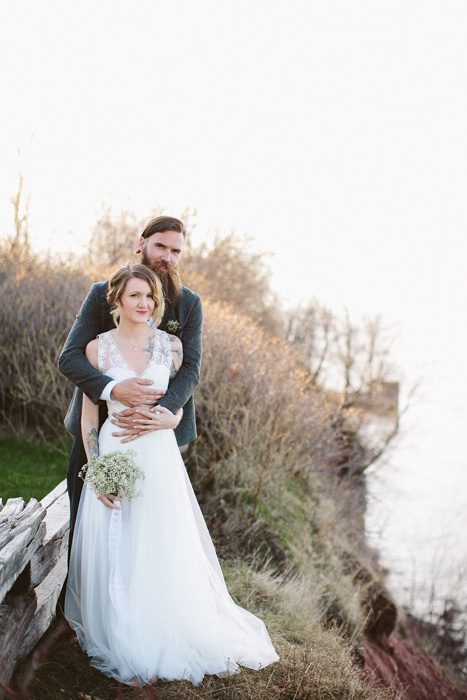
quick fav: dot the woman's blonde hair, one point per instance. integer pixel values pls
(117, 284)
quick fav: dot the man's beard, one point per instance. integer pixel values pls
(169, 279)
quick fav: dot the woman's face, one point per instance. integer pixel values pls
(136, 303)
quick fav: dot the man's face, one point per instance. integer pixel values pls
(163, 248)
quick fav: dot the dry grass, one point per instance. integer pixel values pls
(301, 673)
(315, 662)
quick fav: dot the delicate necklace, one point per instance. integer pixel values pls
(135, 349)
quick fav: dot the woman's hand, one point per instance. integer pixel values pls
(137, 421)
(109, 500)
(158, 418)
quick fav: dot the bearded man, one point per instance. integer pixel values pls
(161, 246)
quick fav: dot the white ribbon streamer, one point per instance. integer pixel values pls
(117, 591)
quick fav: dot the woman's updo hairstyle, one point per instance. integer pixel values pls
(117, 284)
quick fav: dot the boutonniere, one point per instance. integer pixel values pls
(173, 326)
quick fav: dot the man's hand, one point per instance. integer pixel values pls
(136, 392)
(137, 421)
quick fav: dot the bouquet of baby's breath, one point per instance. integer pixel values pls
(115, 473)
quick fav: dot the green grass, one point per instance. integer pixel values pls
(30, 469)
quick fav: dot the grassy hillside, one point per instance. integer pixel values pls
(277, 469)
(271, 469)
(317, 660)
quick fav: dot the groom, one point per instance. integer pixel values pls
(160, 246)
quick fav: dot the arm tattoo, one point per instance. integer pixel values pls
(92, 441)
(177, 352)
(150, 348)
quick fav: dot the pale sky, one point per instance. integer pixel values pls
(332, 132)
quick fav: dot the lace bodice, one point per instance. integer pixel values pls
(111, 362)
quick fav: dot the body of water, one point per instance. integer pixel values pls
(417, 503)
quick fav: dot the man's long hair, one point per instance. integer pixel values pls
(170, 280)
(161, 224)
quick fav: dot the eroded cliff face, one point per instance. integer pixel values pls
(394, 662)
(391, 660)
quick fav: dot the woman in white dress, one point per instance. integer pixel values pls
(145, 593)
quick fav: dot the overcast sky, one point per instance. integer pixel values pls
(332, 132)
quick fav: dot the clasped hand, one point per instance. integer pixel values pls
(136, 392)
(135, 422)
(141, 415)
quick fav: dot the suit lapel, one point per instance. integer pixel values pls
(171, 314)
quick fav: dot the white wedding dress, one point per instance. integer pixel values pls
(145, 593)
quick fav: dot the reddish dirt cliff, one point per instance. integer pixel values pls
(394, 662)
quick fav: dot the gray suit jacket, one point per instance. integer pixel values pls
(94, 318)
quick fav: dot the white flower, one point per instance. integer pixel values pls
(115, 473)
(173, 326)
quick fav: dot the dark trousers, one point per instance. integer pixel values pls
(75, 485)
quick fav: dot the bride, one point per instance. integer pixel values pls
(145, 592)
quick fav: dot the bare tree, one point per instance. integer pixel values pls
(349, 357)
(113, 238)
(228, 271)
(18, 240)
(310, 329)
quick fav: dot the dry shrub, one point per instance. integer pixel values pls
(259, 416)
(259, 413)
(40, 301)
(229, 270)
